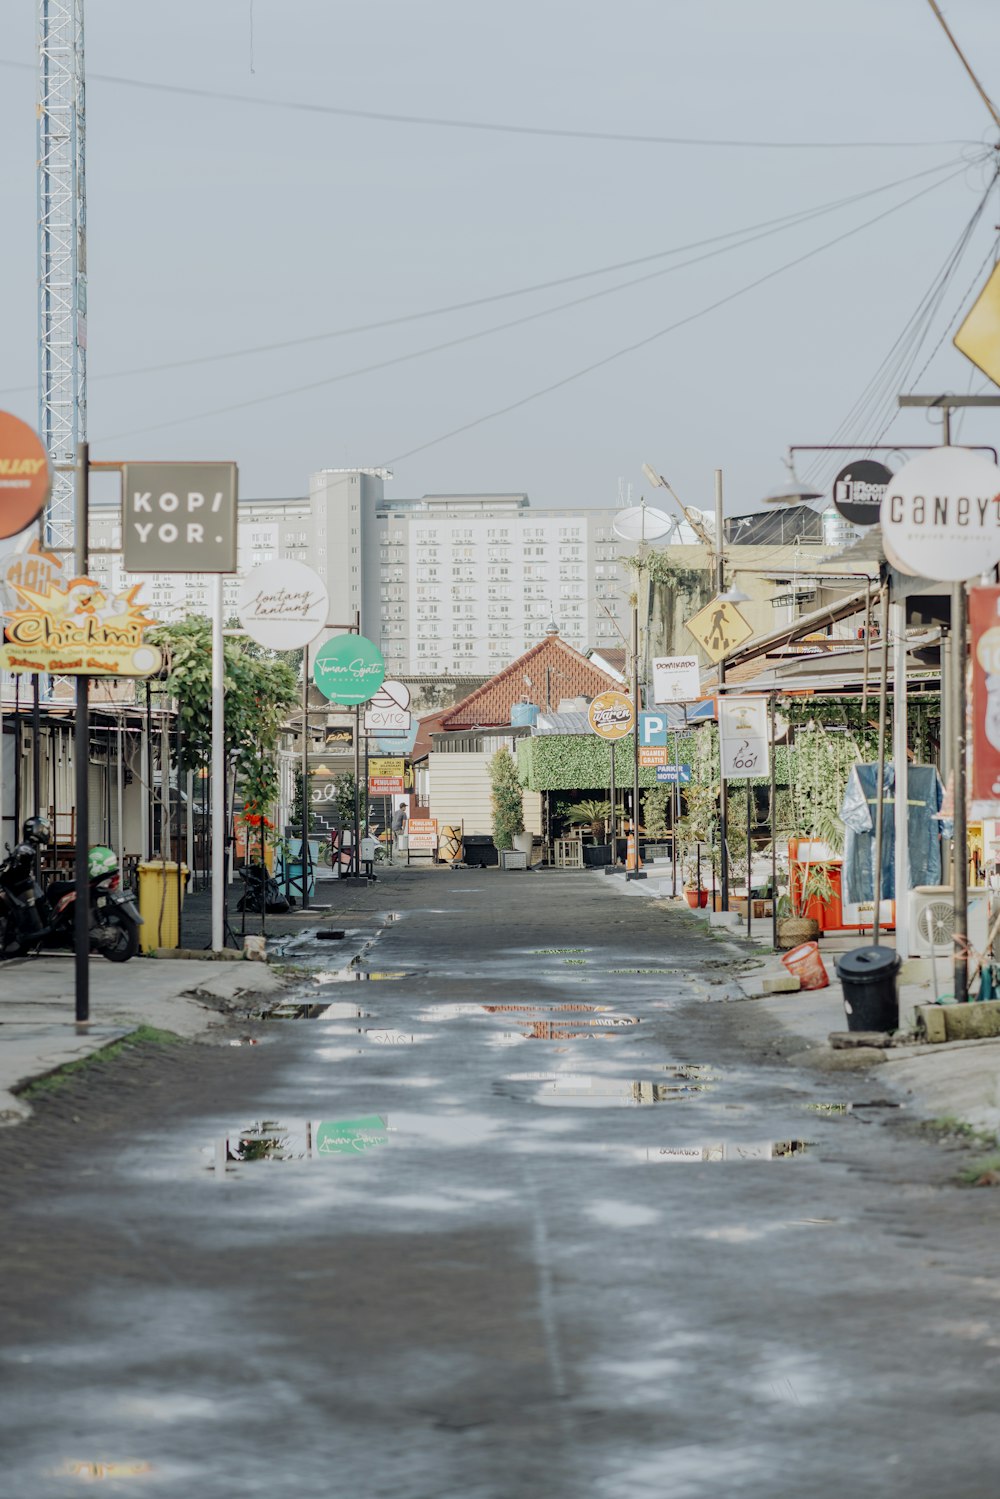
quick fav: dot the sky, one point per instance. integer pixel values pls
(216, 226)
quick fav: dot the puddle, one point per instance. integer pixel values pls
(300, 1140)
(581, 1090)
(555, 952)
(94, 1472)
(288, 1010)
(361, 976)
(326, 934)
(394, 1038)
(726, 1150)
(559, 1030)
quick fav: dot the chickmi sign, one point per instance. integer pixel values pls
(179, 517)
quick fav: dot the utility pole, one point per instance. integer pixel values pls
(720, 587)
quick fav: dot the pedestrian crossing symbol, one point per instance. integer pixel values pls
(719, 628)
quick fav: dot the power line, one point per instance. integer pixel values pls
(756, 230)
(662, 332)
(497, 327)
(495, 126)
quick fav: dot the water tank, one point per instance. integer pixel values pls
(523, 715)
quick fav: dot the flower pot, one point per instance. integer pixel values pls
(793, 930)
(596, 855)
(523, 843)
(696, 898)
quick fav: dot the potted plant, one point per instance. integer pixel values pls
(694, 892)
(593, 814)
(508, 808)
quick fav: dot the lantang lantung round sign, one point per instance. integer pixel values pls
(940, 515)
(283, 605)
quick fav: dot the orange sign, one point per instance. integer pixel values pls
(25, 477)
(611, 715)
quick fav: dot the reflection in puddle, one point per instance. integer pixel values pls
(91, 1471)
(287, 1010)
(581, 1090)
(394, 1038)
(360, 976)
(327, 934)
(269, 1140)
(555, 1030)
(727, 1150)
(552, 952)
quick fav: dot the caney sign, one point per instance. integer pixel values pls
(940, 515)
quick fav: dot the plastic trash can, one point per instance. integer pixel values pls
(871, 999)
(160, 901)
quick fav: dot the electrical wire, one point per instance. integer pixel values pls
(513, 323)
(652, 338)
(758, 230)
(437, 122)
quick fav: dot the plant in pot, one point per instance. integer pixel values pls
(694, 891)
(593, 814)
(819, 769)
(508, 808)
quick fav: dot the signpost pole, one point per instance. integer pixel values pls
(304, 859)
(614, 819)
(774, 835)
(81, 764)
(720, 587)
(635, 873)
(218, 770)
(356, 848)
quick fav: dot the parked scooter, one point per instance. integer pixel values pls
(260, 888)
(31, 917)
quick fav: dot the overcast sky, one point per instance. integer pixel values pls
(218, 225)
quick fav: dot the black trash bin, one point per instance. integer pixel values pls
(868, 976)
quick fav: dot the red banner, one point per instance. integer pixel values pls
(984, 640)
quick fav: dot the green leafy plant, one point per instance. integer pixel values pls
(508, 810)
(593, 814)
(655, 802)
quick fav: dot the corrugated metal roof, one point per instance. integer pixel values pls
(562, 723)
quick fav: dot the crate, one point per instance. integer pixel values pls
(513, 858)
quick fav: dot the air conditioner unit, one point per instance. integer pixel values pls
(932, 920)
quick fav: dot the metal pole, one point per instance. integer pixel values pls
(749, 785)
(720, 587)
(880, 781)
(774, 836)
(218, 771)
(614, 794)
(675, 801)
(36, 746)
(960, 860)
(356, 848)
(304, 860)
(180, 878)
(81, 764)
(150, 797)
(901, 775)
(635, 873)
(120, 794)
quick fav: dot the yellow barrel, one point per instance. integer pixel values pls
(450, 845)
(159, 903)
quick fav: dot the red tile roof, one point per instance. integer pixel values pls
(551, 667)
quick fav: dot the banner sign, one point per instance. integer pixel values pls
(74, 628)
(388, 711)
(348, 669)
(743, 738)
(681, 774)
(283, 605)
(611, 715)
(650, 755)
(179, 517)
(858, 491)
(941, 515)
(984, 639)
(676, 679)
(25, 476)
(422, 834)
(385, 777)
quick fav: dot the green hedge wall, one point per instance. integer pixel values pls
(582, 762)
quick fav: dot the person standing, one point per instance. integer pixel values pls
(398, 826)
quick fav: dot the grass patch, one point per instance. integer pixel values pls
(947, 1127)
(144, 1035)
(983, 1166)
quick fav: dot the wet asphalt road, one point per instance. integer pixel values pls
(441, 1250)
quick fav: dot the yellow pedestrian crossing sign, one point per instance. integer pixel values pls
(719, 628)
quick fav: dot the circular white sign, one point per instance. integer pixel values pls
(940, 515)
(283, 605)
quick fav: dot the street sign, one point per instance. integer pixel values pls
(676, 679)
(349, 669)
(422, 834)
(283, 605)
(671, 773)
(385, 777)
(858, 491)
(650, 755)
(388, 710)
(743, 738)
(719, 628)
(941, 515)
(179, 517)
(75, 628)
(611, 715)
(979, 336)
(25, 476)
(653, 729)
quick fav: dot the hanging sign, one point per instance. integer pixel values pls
(679, 774)
(179, 517)
(388, 711)
(718, 628)
(611, 715)
(74, 627)
(385, 777)
(25, 476)
(941, 515)
(858, 491)
(283, 605)
(349, 669)
(984, 634)
(743, 738)
(979, 336)
(676, 679)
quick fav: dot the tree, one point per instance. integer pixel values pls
(259, 693)
(591, 813)
(508, 810)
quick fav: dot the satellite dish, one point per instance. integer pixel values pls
(642, 523)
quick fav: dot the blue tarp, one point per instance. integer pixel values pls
(924, 795)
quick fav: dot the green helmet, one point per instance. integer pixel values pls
(101, 860)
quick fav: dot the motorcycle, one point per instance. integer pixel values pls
(31, 917)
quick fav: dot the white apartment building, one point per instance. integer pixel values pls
(457, 583)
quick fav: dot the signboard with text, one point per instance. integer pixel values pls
(669, 774)
(385, 777)
(25, 475)
(611, 715)
(743, 738)
(349, 669)
(984, 638)
(676, 679)
(422, 834)
(940, 515)
(179, 517)
(283, 605)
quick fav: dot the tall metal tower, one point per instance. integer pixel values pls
(62, 252)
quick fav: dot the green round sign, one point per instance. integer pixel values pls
(349, 669)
